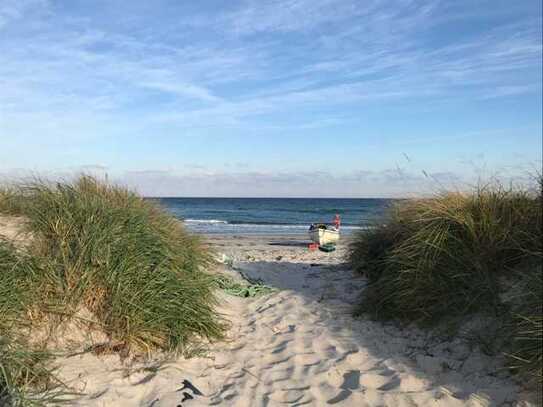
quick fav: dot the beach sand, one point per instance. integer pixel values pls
(300, 345)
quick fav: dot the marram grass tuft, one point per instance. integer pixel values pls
(450, 255)
(25, 376)
(125, 260)
(10, 201)
(443, 255)
(526, 327)
(105, 250)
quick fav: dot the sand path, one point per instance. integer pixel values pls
(301, 346)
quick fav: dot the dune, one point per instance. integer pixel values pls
(300, 345)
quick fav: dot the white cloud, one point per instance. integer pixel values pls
(182, 89)
(71, 67)
(296, 15)
(13, 10)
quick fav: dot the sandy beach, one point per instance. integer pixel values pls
(298, 345)
(271, 203)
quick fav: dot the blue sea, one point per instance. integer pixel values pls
(272, 215)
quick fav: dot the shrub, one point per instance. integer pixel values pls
(104, 249)
(371, 247)
(450, 255)
(127, 261)
(443, 256)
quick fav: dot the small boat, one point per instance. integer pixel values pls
(323, 233)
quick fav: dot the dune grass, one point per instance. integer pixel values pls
(454, 254)
(25, 376)
(526, 327)
(125, 260)
(10, 201)
(104, 250)
(13, 278)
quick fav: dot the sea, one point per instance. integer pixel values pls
(280, 216)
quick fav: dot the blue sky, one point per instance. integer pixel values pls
(272, 98)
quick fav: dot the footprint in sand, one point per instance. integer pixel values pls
(350, 382)
(270, 361)
(287, 396)
(379, 381)
(411, 383)
(310, 359)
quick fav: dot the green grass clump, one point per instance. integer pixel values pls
(527, 327)
(125, 260)
(15, 277)
(24, 378)
(454, 254)
(370, 249)
(10, 202)
(12, 305)
(101, 249)
(443, 256)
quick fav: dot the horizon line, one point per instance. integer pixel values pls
(263, 197)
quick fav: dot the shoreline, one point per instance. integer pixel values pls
(280, 231)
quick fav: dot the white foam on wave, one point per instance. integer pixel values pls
(208, 221)
(215, 224)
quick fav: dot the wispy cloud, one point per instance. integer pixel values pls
(250, 67)
(13, 10)
(70, 65)
(296, 15)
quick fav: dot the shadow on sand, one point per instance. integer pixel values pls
(289, 243)
(453, 373)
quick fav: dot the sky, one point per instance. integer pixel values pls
(345, 98)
